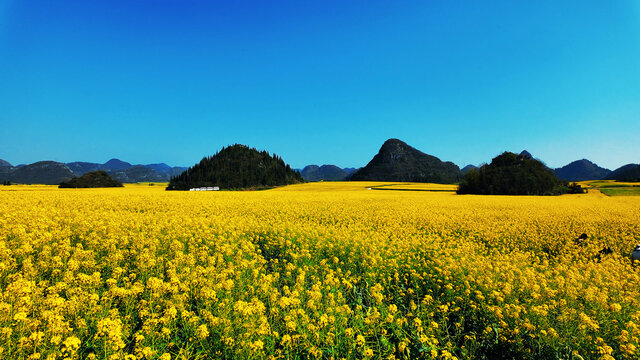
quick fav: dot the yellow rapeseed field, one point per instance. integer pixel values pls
(324, 270)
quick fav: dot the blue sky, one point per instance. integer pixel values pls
(319, 82)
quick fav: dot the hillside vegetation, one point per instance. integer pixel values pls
(629, 172)
(513, 174)
(237, 167)
(397, 161)
(94, 179)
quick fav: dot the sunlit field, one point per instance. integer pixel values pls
(322, 270)
(614, 188)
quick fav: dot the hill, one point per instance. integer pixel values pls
(629, 172)
(467, 168)
(513, 174)
(125, 172)
(160, 168)
(176, 170)
(138, 173)
(165, 170)
(93, 179)
(5, 169)
(115, 165)
(80, 167)
(41, 172)
(581, 170)
(237, 167)
(397, 161)
(526, 154)
(324, 172)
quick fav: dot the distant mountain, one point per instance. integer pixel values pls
(127, 173)
(177, 170)
(525, 154)
(80, 168)
(5, 169)
(41, 172)
(161, 168)
(467, 168)
(397, 161)
(237, 167)
(324, 172)
(351, 170)
(115, 165)
(138, 173)
(166, 170)
(629, 172)
(581, 170)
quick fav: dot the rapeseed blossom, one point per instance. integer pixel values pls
(314, 270)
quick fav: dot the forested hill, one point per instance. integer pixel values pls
(513, 174)
(237, 167)
(397, 161)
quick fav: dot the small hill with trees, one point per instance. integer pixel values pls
(515, 174)
(397, 161)
(93, 179)
(629, 172)
(237, 167)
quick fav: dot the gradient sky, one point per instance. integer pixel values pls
(319, 82)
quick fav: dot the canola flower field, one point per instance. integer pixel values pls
(311, 271)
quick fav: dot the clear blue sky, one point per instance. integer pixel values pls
(319, 82)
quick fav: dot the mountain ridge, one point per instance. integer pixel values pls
(324, 173)
(629, 172)
(53, 172)
(581, 170)
(397, 161)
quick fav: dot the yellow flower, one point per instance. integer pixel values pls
(348, 332)
(71, 344)
(286, 340)
(368, 352)
(202, 331)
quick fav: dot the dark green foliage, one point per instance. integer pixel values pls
(629, 172)
(237, 167)
(6, 183)
(397, 161)
(92, 179)
(513, 174)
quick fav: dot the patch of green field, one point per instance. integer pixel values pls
(621, 191)
(613, 188)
